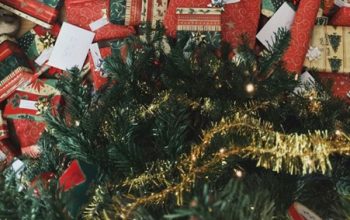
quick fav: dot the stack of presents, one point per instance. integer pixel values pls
(81, 33)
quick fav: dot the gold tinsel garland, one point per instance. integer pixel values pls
(294, 153)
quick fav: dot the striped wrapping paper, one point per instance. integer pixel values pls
(135, 12)
(199, 19)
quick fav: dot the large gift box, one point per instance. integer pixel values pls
(329, 49)
(41, 12)
(15, 70)
(135, 12)
(24, 119)
(84, 13)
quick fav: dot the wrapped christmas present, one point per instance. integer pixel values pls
(43, 13)
(7, 152)
(342, 16)
(203, 25)
(92, 15)
(301, 32)
(237, 19)
(99, 77)
(15, 70)
(23, 113)
(37, 41)
(135, 12)
(75, 183)
(329, 49)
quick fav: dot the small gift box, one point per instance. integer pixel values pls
(198, 25)
(41, 12)
(99, 77)
(23, 113)
(329, 49)
(36, 41)
(233, 24)
(94, 12)
(135, 12)
(15, 70)
(75, 183)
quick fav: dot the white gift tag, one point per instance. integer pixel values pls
(17, 165)
(94, 26)
(44, 56)
(27, 104)
(306, 80)
(96, 55)
(71, 48)
(283, 18)
(231, 1)
(2, 156)
(342, 3)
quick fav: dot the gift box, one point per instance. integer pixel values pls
(23, 116)
(135, 12)
(342, 17)
(84, 13)
(7, 152)
(203, 24)
(36, 41)
(41, 12)
(237, 19)
(329, 49)
(99, 78)
(301, 32)
(15, 70)
(75, 183)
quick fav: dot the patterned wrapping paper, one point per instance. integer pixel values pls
(329, 49)
(15, 70)
(98, 80)
(301, 32)
(84, 12)
(7, 153)
(198, 19)
(36, 40)
(342, 17)
(26, 125)
(41, 12)
(340, 85)
(135, 12)
(237, 19)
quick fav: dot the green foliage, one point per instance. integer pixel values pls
(154, 110)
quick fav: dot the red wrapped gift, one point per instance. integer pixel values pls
(37, 11)
(15, 70)
(36, 41)
(236, 20)
(134, 12)
(23, 116)
(340, 86)
(301, 32)
(98, 79)
(342, 17)
(84, 12)
(7, 153)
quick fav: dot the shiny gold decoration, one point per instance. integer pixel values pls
(42, 105)
(292, 153)
(47, 40)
